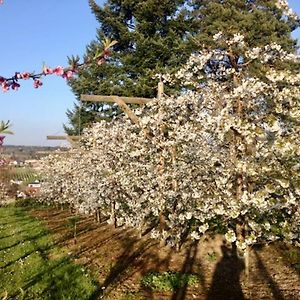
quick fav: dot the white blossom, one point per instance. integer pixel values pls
(194, 161)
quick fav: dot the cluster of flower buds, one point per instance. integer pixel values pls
(2, 137)
(12, 83)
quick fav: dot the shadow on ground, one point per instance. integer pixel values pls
(118, 259)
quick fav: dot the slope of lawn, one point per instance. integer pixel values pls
(32, 267)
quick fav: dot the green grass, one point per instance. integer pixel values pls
(168, 281)
(28, 267)
(293, 257)
(25, 174)
(212, 256)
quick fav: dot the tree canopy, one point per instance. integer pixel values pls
(155, 37)
(222, 157)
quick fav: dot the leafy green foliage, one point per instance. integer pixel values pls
(73, 220)
(293, 256)
(132, 296)
(27, 202)
(168, 281)
(4, 127)
(212, 256)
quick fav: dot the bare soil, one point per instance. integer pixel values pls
(119, 259)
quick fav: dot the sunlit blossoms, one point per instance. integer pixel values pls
(223, 157)
(284, 6)
(12, 83)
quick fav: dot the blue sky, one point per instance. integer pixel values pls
(33, 32)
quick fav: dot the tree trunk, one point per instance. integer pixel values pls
(75, 233)
(162, 227)
(98, 215)
(113, 214)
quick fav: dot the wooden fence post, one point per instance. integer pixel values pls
(160, 90)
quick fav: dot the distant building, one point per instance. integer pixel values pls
(33, 189)
(34, 184)
(21, 195)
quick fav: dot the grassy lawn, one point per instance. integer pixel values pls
(32, 267)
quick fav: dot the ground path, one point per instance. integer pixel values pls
(118, 259)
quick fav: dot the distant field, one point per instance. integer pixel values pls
(24, 174)
(26, 152)
(32, 267)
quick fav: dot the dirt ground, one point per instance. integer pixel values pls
(118, 260)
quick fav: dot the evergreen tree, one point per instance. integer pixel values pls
(153, 36)
(261, 22)
(157, 36)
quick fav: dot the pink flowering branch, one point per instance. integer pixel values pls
(12, 82)
(2, 137)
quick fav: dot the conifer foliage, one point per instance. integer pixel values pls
(158, 36)
(152, 36)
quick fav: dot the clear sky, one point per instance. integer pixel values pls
(33, 32)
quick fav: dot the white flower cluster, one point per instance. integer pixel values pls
(213, 158)
(287, 11)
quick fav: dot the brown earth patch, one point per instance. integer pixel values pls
(119, 259)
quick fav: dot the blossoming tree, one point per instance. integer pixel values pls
(222, 157)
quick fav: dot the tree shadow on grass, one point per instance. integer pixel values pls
(19, 232)
(43, 278)
(41, 249)
(58, 279)
(25, 239)
(226, 278)
(24, 221)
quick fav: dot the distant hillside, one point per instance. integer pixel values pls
(27, 152)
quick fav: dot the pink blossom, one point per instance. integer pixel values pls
(15, 86)
(59, 71)
(25, 75)
(5, 86)
(47, 70)
(2, 79)
(37, 83)
(2, 137)
(101, 61)
(69, 74)
(106, 53)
